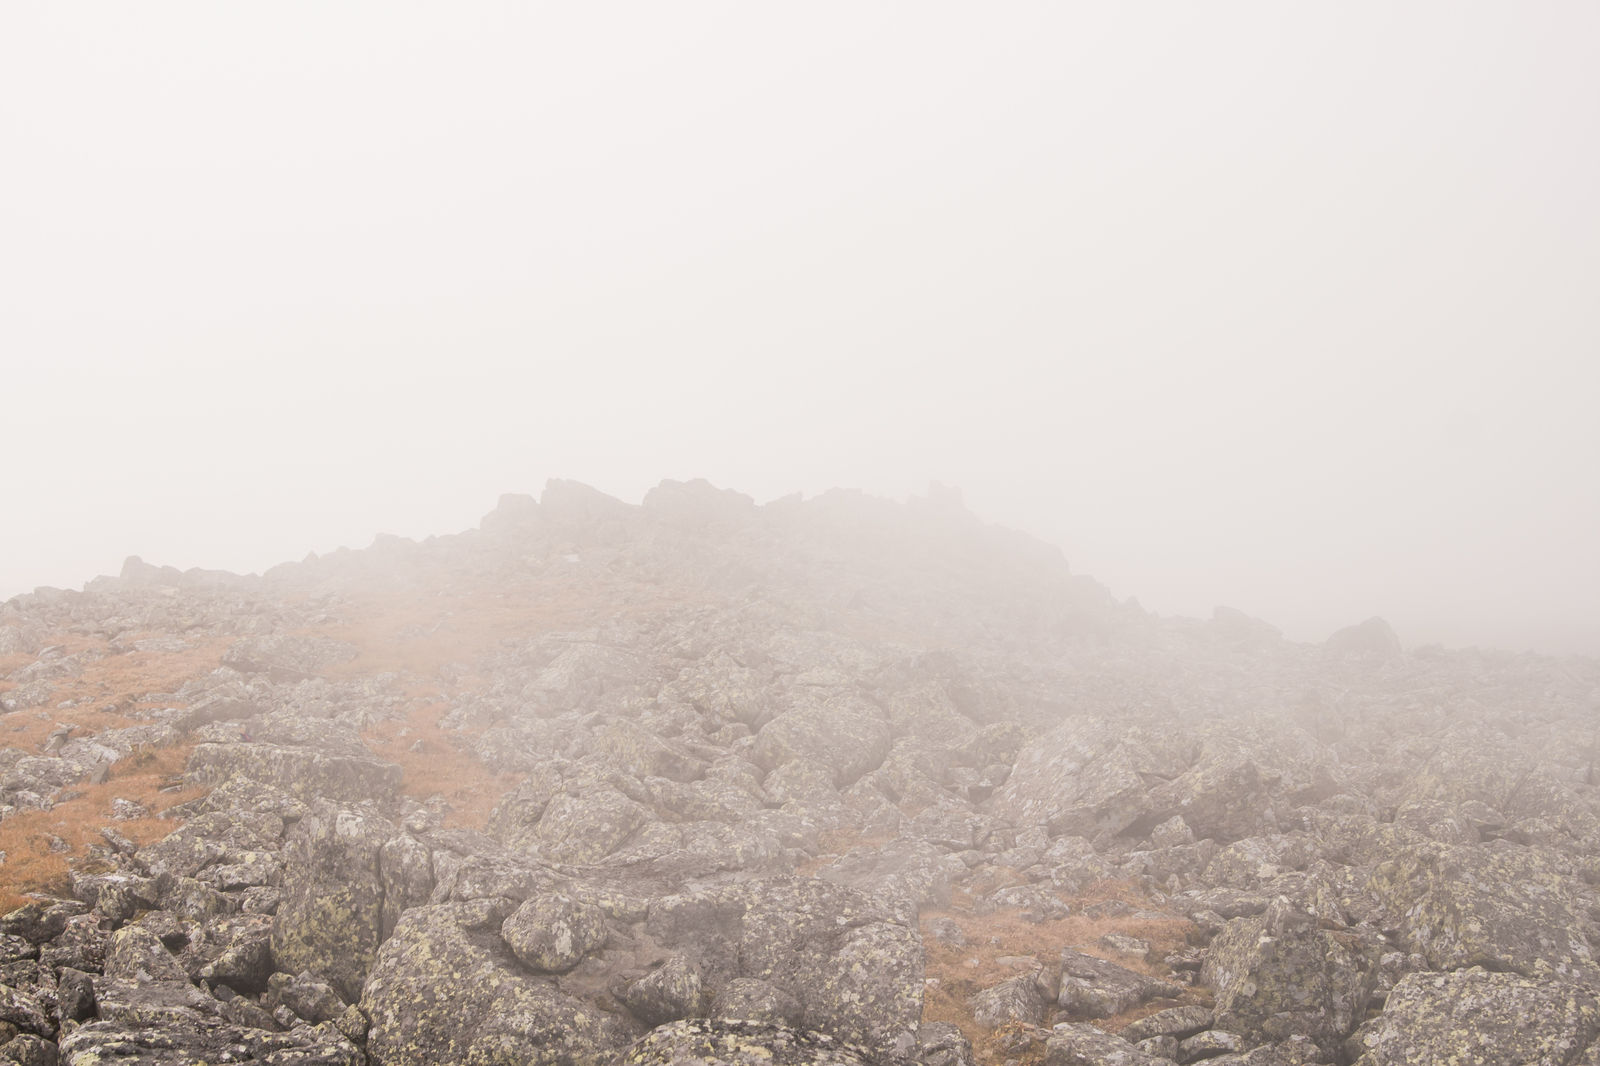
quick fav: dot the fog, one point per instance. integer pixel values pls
(1292, 309)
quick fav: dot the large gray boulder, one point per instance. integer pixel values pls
(447, 989)
(1496, 905)
(843, 734)
(1487, 1019)
(1088, 776)
(330, 920)
(1277, 976)
(853, 966)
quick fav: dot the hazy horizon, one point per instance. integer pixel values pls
(1287, 310)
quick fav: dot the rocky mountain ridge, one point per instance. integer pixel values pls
(836, 780)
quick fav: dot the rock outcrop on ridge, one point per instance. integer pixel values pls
(827, 781)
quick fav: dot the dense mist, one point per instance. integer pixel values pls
(1285, 310)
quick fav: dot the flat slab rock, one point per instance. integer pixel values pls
(1095, 988)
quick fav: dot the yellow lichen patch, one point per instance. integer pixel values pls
(999, 944)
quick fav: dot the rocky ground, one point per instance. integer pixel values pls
(834, 781)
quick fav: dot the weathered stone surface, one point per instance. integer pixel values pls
(670, 992)
(301, 772)
(1174, 1021)
(1094, 988)
(166, 1044)
(553, 933)
(1277, 976)
(1498, 905)
(846, 736)
(1493, 1019)
(285, 657)
(447, 989)
(1023, 998)
(750, 999)
(1081, 779)
(587, 828)
(138, 954)
(725, 1042)
(330, 920)
(1084, 1045)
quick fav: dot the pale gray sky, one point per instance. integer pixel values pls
(1289, 307)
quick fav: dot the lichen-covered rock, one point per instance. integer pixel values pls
(166, 1044)
(1081, 779)
(236, 952)
(1095, 988)
(844, 734)
(552, 933)
(205, 839)
(1174, 1021)
(1496, 905)
(585, 829)
(750, 999)
(82, 945)
(1487, 1019)
(309, 998)
(670, 992)
(642, 754)
(331, 916)
(725, 1042)
(155, 1003)
(406, 866)
(911, 870)
(858, 974)
(302, 772)
(446, 989)
(1018, 999)
(944, 1044)
(25, 1049)
(1277, 976)
(515, 819)
(138, 954)
(22, 1010)
(1080, 1044)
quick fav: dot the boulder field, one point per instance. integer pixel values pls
(829, 781)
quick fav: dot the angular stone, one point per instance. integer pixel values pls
(1018, 999)
(585, 829)
(1277, 976)
(670, 992)
(330, 919)
(1491, 1019)
(1085, 1045)
(1496, 905)
(553, 933)
(1094, 988)
(1174, 1021)
(749, 999)
(446, 988)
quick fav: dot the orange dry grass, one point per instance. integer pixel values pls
(963, 971)
(440, 768)
(31, 866)
(116, 679)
